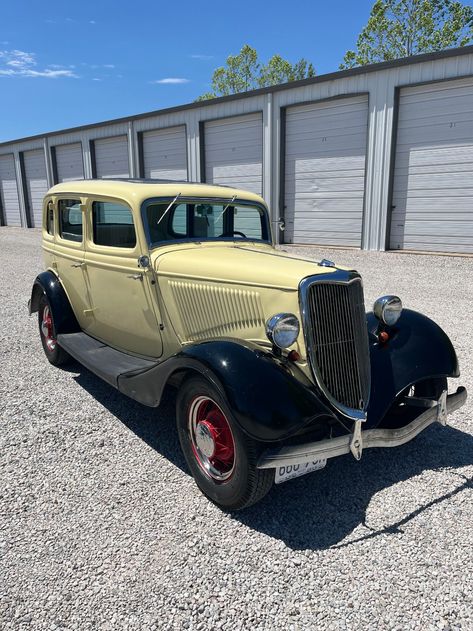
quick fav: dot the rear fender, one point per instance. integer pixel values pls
(49, 284)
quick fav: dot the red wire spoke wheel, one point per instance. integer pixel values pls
(211, 438)
(47, 329)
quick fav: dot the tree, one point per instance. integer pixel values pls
(244, 72)
(401, 28)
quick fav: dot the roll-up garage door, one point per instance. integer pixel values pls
(9, 191)
(432, 201)
(69, 163)
(36, 183)
(165, 153)
(234, 152)
(111, 157)
(325, 171)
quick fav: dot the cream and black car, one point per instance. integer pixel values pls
(277, 364)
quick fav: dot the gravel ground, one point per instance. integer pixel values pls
(101, 527)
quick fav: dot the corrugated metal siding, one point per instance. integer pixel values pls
(111, 157)
(325, 171)
(165, 153)
(9, 191)
(234, 152)
(36, 183)
(433, 177)
(69, 162)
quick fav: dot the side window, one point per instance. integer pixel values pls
(50, 218)
(113, 225)
(179, 220)
(70, 219)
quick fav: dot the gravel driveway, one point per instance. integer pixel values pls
(101, 526)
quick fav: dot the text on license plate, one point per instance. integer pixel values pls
(295, 470)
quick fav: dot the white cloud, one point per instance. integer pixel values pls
(92, 22)
(171, 81)
(18, 63)
(96, 79)
(109, 65)
(202, 57)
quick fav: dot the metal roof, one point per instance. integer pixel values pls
(384, 65)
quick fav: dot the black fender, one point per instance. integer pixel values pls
(64, 319)
(270, 399)
(417, 349)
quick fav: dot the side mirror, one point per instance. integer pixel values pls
(143, 261)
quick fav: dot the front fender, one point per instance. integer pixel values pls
(417, 349)
(271, 400)
(64, 319)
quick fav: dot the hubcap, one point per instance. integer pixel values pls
(47, 329)
(211, 439)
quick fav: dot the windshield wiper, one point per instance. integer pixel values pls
(168, 208)
(229, 204)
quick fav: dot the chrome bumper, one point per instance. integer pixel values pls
(359, 440)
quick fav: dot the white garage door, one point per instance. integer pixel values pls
(325, 171)
(234, 152)
(165, 153)
(433, 177)
(69, 162)
(111, 157)
(36, 184)
(9, 191)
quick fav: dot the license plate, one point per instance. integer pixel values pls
(291, 471)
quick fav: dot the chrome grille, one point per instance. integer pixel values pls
(339, 341)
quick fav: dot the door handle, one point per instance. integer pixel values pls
(136, 276)
(77, 264)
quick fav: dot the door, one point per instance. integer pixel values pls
(234, 152)
(165, 153)
(123, 302)
(325, 171)
(36, 184)
(432, 201)
(111, 157)
(69, 163)
(70, 238)
(9, 191)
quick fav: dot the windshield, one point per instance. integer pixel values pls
(201, 220)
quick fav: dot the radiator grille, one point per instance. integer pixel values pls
(339, 353)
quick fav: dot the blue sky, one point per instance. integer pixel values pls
(64, 64)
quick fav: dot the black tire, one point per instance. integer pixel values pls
(233, 483)
(397, 416)
(56, 355)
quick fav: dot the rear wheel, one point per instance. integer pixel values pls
(55, 354)
(221, 458)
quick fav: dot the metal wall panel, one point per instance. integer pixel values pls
(111, 157)
(325, 154)
(9, 199)
(433, 178)
(234, 152)
(36, 184)
(69, 162)
(165, 153)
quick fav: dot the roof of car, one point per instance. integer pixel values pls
(137, 190)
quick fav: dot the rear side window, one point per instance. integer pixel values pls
(113, 225)
(50, 218)
(70, 219)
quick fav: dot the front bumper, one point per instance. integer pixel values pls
(358, 440)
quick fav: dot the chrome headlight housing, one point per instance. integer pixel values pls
(388, 309)
(283, 329)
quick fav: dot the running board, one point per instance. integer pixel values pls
(106, 362)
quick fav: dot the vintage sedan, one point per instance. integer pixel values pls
(277, 365)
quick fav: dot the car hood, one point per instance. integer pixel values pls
(239, 264)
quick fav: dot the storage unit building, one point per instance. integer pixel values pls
(375, 157)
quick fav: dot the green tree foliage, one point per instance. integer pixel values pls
(401, 28)
(244, 72)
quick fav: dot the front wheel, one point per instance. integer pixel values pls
(55, 354)
(221, 458)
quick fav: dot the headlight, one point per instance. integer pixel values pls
(388, 309)
(282, 329)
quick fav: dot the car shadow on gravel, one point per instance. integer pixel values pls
(320, 510)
